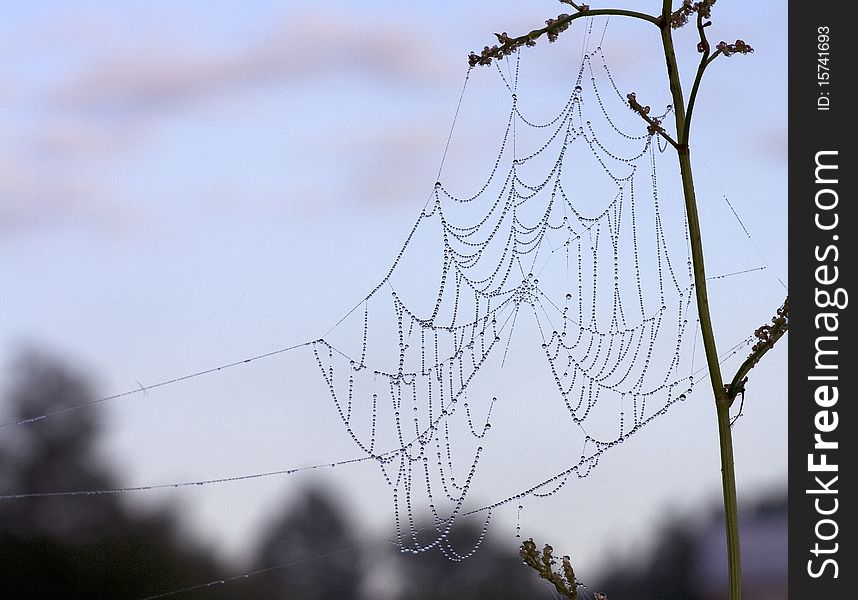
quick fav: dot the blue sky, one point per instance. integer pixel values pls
(183, 185)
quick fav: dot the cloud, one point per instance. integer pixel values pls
(773, 144)
(154, 80)
(33, 199)
(394, 166)
(60, 171)
(62, 139)
(63, 163)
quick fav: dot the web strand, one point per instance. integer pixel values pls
(199, 483)
(499, 271)
(143, 389)
(561, 252)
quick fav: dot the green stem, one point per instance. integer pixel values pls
(722, 401)
(692, 98)
(705, 60)
(723, 396)
(731, 507)
(767, 342)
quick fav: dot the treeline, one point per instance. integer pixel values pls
(99, 546)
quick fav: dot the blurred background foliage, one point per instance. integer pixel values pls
(103, 546)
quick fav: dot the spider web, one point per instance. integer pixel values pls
(562, 250)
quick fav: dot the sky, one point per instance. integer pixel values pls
(186, 185)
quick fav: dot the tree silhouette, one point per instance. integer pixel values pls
(314, 544)
(85, 546)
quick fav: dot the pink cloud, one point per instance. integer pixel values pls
(72, 138)
(38, 198)
(773, 144)
(59, 167)
(401, 164)
(159, 79)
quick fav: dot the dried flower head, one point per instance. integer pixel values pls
(739, 47)
(556, 26)
(681, 16)
(565, 583)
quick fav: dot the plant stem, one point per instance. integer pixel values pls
(722, 401)
(731, 508)
(723, 396)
